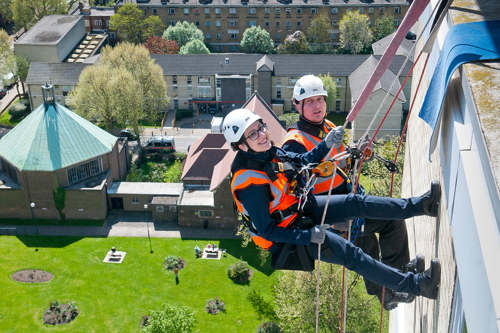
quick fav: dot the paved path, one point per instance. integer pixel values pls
(131, 224)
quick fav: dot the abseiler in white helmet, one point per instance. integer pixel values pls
(236, 123)
(309, 86)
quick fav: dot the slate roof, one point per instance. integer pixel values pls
(259, 3)
(389, 82)
(60, 73)
(52, 138)
(405, 48)
(339, 65)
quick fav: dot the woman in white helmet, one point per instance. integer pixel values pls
(261, 188)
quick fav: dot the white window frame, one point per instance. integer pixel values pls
(171, 11)
(232, 11)
(252, 11)
(217, 11)
(314, 11)
(397, 10)
(298, 11)
(186, 11)
(334, 10)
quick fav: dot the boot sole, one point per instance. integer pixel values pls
(435, 195)
(420, 266)
(436, 278)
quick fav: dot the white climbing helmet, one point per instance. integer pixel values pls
(308, 86)
(236, 123)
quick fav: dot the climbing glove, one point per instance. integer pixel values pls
(335, 137)
(363, 145)
(318, 233)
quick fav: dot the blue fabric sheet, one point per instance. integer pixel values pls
(467, 42)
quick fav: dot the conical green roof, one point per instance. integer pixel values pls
(52, 137)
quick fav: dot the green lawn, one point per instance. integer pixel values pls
(114, 297)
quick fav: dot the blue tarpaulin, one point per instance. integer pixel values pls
(467, 42)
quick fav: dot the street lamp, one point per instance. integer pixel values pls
(147, 223)
(32, 205)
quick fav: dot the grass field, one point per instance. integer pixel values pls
(114, 297)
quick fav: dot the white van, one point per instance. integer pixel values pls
(159, 143)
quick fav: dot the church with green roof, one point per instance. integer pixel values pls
(57, 165)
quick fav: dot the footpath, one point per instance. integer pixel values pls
(130, 224)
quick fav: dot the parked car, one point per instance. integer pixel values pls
(3, 92)
(159, 143)
(410, 35)
(128, 134)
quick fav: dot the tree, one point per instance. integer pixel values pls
(7, 60)
(131, 26)
(183, 32)
(124, 86)
(331, 88)
(289, 118)
(194, 47)
(22, 67)
(383, 27)
(160, 45)
(294, 44)
(318, 35)
(172, 319)
(5, 11)
(26, 13)
(355, 32)
(257, 40)
(295, 302)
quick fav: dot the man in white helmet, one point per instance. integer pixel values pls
(261, 184)
(309, 97)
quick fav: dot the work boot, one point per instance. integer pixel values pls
(429, 280)
(393, 298)
(431, 199)
(415, 266)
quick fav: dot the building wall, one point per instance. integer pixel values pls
(223, 24)
(14, 204)
(69, 41)
(38, 53)
(86, 204)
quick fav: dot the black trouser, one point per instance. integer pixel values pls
(392, 244)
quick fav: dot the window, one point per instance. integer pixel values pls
(299, 23)
(196, 11)
(288, 23)
(370, 10)
(267, 23)
(234, 48)
(278, 81)
(190, 91)
(233, 23)
(87, 23)
(171, 11)
(98, 23)
(333, 35)
(397, 23)
(207, 23)
(172, 209)
(186, 11)
(135, 201)
(204, 80)
(360, 10)
(337, 105)
(277, 23)
(232, 11)
(175, 91)
(288, 11)
(219, 48)
(292, 80)
(277, 36)
(218, 36)
(189, 79)
(252, 24)
(83, 171)
(112, 35)
(217, 11)
(154, 11)
(314, 11)
(278, 93)
(197, 23)
(278, 11)
(207, 11)
(208, 36)
(173, 23)
(299, 11)
(267, 11)
(174, 79)
(204, 92)
(217, 23)
(397, 10)
(381, 10)
(252, 11)
(233, 36)
(205, 213)
(334, 11)
(159, 209)
(334, 23)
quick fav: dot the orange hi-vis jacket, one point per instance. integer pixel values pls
(281, 202)
(310, 141)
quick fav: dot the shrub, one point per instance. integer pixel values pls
(170, 318)
(268, 327)
(172, 262)
(18, 110)
(214, 306)
(240, 271)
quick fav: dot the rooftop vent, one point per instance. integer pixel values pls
(48, 94)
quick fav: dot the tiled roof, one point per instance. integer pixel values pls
(53, 138)
(259, 3)
(388, 82)
(59, 73)
(204, 162)
(339, 65)
(405, 48)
